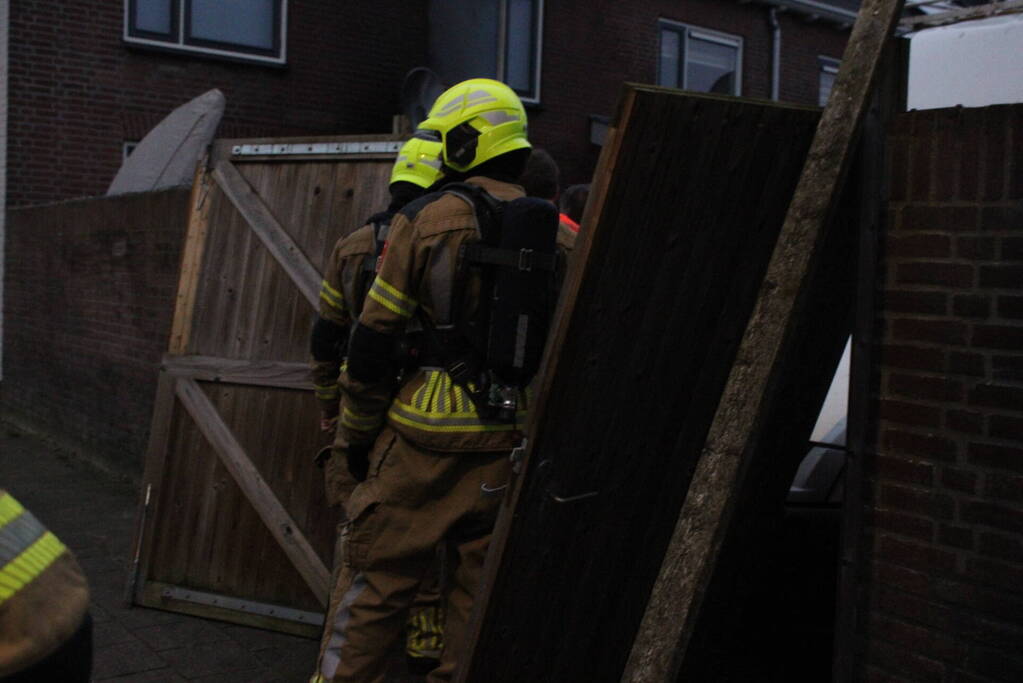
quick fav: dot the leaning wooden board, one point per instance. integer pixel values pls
(233, 523)
(676, 334)
(686, 208)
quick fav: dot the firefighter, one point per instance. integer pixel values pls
(45, 627)
(350, 271)
(437, 468)
(542, 179)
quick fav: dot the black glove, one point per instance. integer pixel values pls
(358, 461)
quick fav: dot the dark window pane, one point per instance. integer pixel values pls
(238, 22)
(669, 60)
(521, 29)
(153, 16)
(710, 66)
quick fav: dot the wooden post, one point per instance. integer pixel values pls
(689, 561)
(191, 259)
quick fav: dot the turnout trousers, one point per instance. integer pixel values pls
(413, 500)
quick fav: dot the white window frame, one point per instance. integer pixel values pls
(502, 51)
(687, 31)
(826, 65)
(178, 43)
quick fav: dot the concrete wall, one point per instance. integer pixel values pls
(943, 578)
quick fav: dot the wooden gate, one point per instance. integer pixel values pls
(232, 523)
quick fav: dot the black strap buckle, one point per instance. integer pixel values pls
(526, 259)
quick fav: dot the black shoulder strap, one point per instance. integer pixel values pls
(488, 208)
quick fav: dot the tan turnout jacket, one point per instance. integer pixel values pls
(43, 594)
(418, 272)
(341, 303)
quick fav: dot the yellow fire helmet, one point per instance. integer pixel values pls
(419, 160)
(478, 120)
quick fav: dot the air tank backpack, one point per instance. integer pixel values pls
(494, 351)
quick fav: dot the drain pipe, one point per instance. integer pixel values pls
(772, 16)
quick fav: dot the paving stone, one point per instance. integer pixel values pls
(124, 659)
(249, 676)
(204, 659)
(181, 633)
(164, 675)
(254, 639)
(106, 633)
(94, 515)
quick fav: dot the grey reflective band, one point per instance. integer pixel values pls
(17, 535)
(520, 341)
(441, 287)
(338, 639)
(519, 259)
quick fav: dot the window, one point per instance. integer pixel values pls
(827, 70)
(242, 29)
(519, 62)
(127, 147)
(697, 59)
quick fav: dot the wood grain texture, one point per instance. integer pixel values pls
(269, 230)
(286, 375)
(191, 259)
(686, 208)
(276, 518)
(690, 559)
(247, 341)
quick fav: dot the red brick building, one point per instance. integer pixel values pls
(88, 77)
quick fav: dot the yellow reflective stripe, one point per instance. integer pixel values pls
(451, 422)
(391, 298)
(332, 296)
(326, 391)
(29, 564)
(425, 394)
(461, 398)
(360, 421)
(9, 508)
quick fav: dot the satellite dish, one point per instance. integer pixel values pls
(420, 88)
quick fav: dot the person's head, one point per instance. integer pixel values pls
(540, 179)
(573, 201)
(419, 160)
(417, 167)
(482, 124)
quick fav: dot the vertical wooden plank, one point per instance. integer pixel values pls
(152, 480)
(269, 231)
(689, 562)
(191, 260)
(276, 518)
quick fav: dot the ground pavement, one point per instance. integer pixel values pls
(93, 513)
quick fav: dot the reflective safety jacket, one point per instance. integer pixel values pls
(43, 594)
(418, 277)
(349, 272)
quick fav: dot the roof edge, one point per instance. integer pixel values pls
(817, 8)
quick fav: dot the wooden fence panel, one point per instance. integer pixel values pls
(236, 406)
(687, 206)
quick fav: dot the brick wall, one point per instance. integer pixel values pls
(77, 91)
(89, 296)
(944, 589)
(591, 46)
